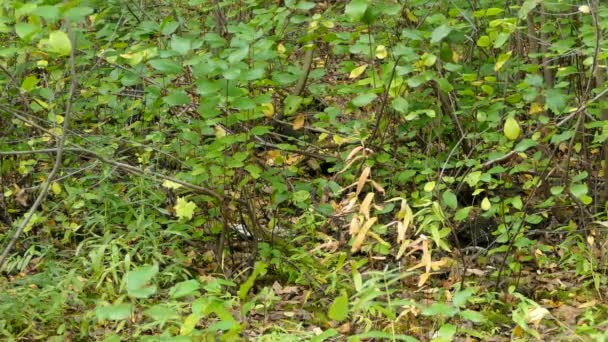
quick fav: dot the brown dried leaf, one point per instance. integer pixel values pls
(299, 122)
(362, 179)
(362, 234)
(364, 208)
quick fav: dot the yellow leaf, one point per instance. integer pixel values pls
(171, 185)
(299, 121)
(281, 48)
(428, 187)
(219, 131)
(536, 108)
(356, 72)
(56, 188)
(584, 9)
(486, 204)
(381, 52)
(184, 209)
(511, 129)
(267, 109)
(189, 324)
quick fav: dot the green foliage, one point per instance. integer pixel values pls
(288, 170)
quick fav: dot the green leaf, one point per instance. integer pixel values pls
(177, 98)
(301, 196)
(578, 190)
(239, 54)
(364, 99)
(77, 14)
(511, 129)
(29, 83)
(445, 333)
(185, 288)
(59, 43)
(527, 7)
(259, 269)
(329, 333)
(449, 198)
(473, 316)
(400, 105)
(292, 104)
(483, 41)
(356, 9)
(556, 100)
(114, 312)
(138, 279)
(181, 45)
(439, 309)
(557, 190)
(25, 31)
(338, 310)
(439, 33)
(166, 66)
(524, 145)
(161, 313)
(184, 209)
(461, 297)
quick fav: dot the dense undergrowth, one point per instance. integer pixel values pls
(294, 170)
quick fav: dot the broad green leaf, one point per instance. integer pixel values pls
(429, 186)
(511, 129)
(184, 209)
(556, 100)
(579, 190)
(439, 309)
(461, 297)
(483, 41)
(166, 66)
(527, 7)
(59, 43)
(77, 14)
(440, 32)
(473, 316)
(29, 83)
(185, 288)
(177, 98)
(114, 312)
(181, 45)
(400, 105)
(162, 313)
(138, 280)
(449, 198)
(301, 196)
(356, 9)
(524, 145)
(557, 190)
(364, 99)
(25, 31)
(292, 104)
(338, 310)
